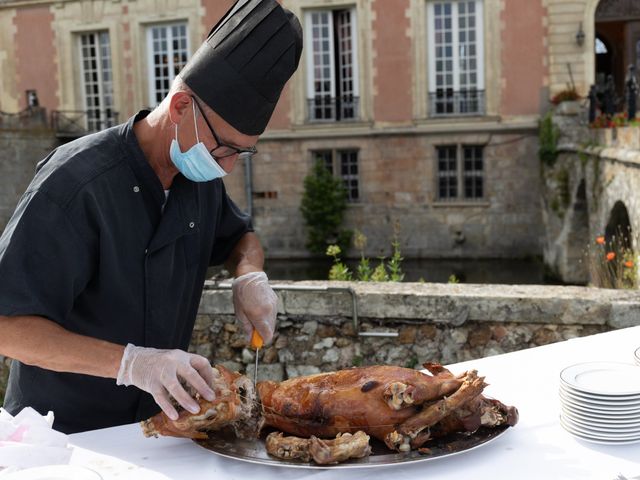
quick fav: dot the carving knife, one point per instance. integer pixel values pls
(256, 344)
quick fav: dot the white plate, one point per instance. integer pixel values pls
(54, 472)
(568, 425)
(604, 427)
(597, 396)
(591, 407)
(600, 399)
(622, 420)
(599, 442)
(605, 378)
(586, 411)
(573, 428)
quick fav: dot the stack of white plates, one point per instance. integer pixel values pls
(636, 355)
(601, 402)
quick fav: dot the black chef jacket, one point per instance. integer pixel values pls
(90, 248)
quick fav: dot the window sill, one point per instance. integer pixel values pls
(472, 118)
(331, 125)
(460, 204)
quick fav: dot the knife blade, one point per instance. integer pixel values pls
(256, 343)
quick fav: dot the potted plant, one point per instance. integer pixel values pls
(567, 102)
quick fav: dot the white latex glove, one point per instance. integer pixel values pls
(256, 304)
(158, 372)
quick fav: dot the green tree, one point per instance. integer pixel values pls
(323, 205)
(548, 135)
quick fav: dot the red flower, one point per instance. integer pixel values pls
(628, 264)
(600, 240)
(610, 256)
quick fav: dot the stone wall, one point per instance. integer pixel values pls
(595, 170)
(398, 182)
(447, 323)
(25, 139)
(429, 322)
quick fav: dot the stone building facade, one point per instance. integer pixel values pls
(427, 109)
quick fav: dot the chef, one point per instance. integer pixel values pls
(102, 264)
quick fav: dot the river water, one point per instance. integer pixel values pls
(499, 271)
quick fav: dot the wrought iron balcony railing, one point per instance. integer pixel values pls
(76, 123)
(30, 117)
(325, 108)
(446, 102)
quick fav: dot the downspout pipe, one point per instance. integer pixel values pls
(248, 184)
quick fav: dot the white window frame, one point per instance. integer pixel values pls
(348, 177)
(105, 94)
(332, 160)
(460, 174)
(150, 54)
(309, 59)
(431, 45)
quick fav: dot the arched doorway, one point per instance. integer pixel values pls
(618, 230)
(614, 265)
(617, 28)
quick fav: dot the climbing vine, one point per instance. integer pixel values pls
(548, 135)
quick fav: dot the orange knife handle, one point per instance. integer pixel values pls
(256, 340)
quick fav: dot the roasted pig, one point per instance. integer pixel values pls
(330, 416)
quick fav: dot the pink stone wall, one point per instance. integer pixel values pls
(393, 61)
(524, 73)
(214, 10)
(36, 55)
(128, 50)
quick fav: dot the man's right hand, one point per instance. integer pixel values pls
(158, 372)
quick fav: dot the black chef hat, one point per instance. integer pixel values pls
(240, 70)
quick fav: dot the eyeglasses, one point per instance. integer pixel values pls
(223, 150)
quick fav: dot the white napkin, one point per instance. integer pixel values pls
(27, 440)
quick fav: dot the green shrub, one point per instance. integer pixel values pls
(390, 271)
(323, 205)
(338, 271)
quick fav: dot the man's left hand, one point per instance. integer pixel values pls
(256, 304)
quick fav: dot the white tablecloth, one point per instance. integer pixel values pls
(537, 448)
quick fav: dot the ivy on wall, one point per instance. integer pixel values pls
(548, 135)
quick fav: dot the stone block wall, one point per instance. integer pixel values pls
(21, 148)
(596, 169)
(447, 323)
(429, 322)
(398, 183)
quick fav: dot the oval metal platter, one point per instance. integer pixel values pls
(254, 450)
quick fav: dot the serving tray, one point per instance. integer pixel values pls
(254, 451)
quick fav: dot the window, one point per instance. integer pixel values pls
(97, 80)
(345, 163)
(456, 58)
(168, 49)
(326, 157)
(349, 173)
(601, 48)
(332, 67)
(460, 172)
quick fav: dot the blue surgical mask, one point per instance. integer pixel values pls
(196, 164)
